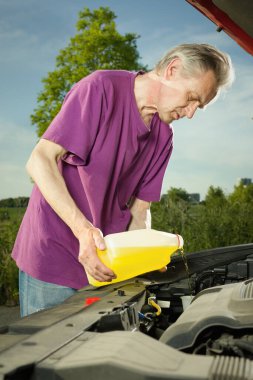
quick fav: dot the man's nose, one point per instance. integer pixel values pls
(190, 110)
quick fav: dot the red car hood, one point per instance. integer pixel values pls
(235, 17)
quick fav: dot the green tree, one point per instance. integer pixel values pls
(8, 270)
(173, 213)
(97, 45)
(242, 193)
(241, 213)
(215, 195)
(218, 221)
(213, 227)
(14, 202)
(178, 194)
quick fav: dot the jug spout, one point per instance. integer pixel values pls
(180, 241)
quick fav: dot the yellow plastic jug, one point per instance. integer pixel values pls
(132, 253)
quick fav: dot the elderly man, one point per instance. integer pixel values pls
(100, 164)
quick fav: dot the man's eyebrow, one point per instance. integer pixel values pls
(198, 98)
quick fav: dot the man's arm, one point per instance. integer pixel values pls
(141, 216)
(42, 167)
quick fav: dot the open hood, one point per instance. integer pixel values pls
(233, 16)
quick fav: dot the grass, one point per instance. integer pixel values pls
(10, 219)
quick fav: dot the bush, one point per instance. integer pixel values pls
(8, 278)
(220, 220)
(10, 219)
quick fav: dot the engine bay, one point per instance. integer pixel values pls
(207, 314)
(194, 321)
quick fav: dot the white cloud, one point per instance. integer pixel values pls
(19, 137)
(15, 181)
(16, 144)
(20, 48)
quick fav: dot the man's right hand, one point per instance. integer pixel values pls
(89, 241)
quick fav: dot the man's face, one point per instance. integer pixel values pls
(179, 96)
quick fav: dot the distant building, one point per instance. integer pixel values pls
(244, 181)
(194, 198)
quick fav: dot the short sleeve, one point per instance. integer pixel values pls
(151, 185)
(77, 124)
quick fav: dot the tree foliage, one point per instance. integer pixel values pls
(10, 219)
(97, 45)
(218, 221)
(14, 202)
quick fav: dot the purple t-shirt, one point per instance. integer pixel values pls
(112, 156)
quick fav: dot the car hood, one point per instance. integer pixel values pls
(232, 16)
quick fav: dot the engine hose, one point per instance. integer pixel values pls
(155, 305)
(244, 345)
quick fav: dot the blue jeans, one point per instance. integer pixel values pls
(36, 295)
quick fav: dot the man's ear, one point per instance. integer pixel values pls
(173, 69)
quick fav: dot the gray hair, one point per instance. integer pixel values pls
(198, 58)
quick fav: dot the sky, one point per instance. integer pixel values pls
(212, 149)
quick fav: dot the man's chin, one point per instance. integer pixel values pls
(167, 120)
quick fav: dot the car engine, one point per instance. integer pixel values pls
(193, 322)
